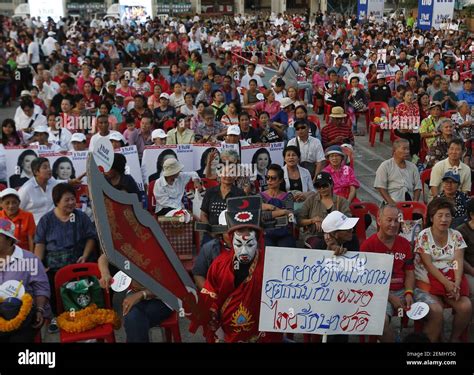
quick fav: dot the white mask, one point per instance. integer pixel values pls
(245, 246)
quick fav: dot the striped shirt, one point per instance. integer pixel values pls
(330, 132)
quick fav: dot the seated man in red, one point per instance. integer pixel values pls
(402, 284)
(234, 280)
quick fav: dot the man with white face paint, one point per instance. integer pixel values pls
(234, 279)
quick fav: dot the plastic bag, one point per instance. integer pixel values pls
(77, 295)
(197, 203)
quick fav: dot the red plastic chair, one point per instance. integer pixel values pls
(373, 127)
(315, 119)
(171, 327)
(423, 150)
(168, 125)
(327, 112)
(2, 187)
(449, 113)
(360, 209)
(375, 110)
(409, 208)
(424, 177)
(77, 271)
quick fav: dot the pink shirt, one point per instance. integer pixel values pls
(272, 109)
(343, 179)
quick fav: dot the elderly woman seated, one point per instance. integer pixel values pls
(439, 149)
(64, 236)
(439, 267)
(317, 206)
(275, 206)
(459, 199)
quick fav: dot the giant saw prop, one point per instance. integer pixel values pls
(134, 242)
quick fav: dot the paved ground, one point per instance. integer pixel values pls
(367, 159)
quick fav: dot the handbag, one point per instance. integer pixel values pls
(77, 295)
(179, 234)
(438, 289)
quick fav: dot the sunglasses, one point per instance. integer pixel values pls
(323, 186)
(272, 178)
(300, 128)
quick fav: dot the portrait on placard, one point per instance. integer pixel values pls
(18, 160)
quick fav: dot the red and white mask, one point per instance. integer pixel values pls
(245, 245)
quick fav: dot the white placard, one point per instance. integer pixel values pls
(151, 154)
(67, 165)
(418, 311)
(311, 291)
(120, 282)
(443, 10)
(103, 154)
(12, 288)
(18, 161)
(133, 164)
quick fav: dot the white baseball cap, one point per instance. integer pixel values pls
(233, 130)
(9, 191)
(338, 221)
(158, 133)
(78, 137)
(117, 137)
(41, 129)
(165, 96)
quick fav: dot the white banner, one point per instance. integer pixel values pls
(18, 161)
(311, 291)
(376, 7)
(47, 8)
(67, 165)
(442, 11)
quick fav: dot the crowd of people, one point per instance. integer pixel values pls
(146, 85)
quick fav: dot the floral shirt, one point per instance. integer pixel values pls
(464, 133)
(429, 125)
(343, 179)
(442, 257)
(437, 152)
(460, 202)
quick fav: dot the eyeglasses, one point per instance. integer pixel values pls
(272, 178)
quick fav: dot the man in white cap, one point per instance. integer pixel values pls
(49, 44)
(381, 91)
(41, 138)
(117, 140)
(339, 237)
(338, 232)
(233, 137)
(78, 142)
(159, 137)
(169, 188)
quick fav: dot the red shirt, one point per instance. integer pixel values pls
(403, 257)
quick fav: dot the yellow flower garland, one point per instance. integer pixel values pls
(87, 319)
(16, 322)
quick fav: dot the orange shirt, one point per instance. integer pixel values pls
(24, 226)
